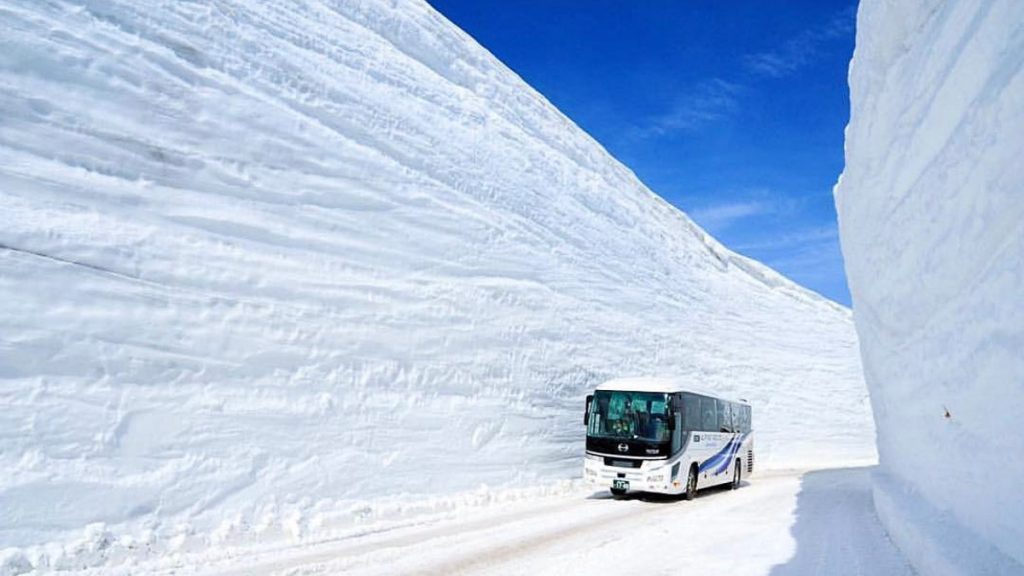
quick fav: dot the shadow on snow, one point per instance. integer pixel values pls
(662, 498)
(836, 529)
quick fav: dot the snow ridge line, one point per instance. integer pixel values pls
(86, 265)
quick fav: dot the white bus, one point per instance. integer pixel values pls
(660, 435)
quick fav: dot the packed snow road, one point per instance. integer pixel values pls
(819, 522)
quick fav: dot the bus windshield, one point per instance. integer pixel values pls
(629, 415)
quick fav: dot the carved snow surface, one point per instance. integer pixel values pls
(931, 219)
(265, 267)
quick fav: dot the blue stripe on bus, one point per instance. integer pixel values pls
(710, 462)
(735, 448)
(723, 457)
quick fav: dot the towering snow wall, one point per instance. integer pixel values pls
(931, 209)
(262, 261)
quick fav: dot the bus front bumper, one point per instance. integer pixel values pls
(652, 476)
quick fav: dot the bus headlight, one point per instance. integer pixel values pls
(590, 471)
(656, 478)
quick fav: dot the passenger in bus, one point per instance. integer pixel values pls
(658, 427)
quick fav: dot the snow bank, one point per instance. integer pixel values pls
(261, 263)
(932, 227)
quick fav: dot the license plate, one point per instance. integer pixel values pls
(620, 484)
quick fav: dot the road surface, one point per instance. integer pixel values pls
(781, 524)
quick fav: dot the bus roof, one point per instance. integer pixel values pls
(663, 385)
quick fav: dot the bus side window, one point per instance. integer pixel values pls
(724, 416)
(709, 415)
(743, 417)
(691, 409)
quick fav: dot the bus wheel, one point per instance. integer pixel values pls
(691, 484)
(736, 476)
(618, 492)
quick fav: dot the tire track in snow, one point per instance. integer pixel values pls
(582, 519)
(351, 548)
(475, 562)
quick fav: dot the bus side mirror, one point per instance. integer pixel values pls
(671, 421)
(586, 412)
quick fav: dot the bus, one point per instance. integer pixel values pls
(660, 435)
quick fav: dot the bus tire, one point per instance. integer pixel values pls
(617, 492)
(691, 484)
(736, 475)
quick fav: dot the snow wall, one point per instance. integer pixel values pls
(265, 265)
(931, 209)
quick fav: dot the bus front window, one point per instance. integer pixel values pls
(629, 415)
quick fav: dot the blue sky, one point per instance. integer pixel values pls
(733, 111)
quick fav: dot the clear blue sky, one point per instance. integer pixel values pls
(733, 111)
